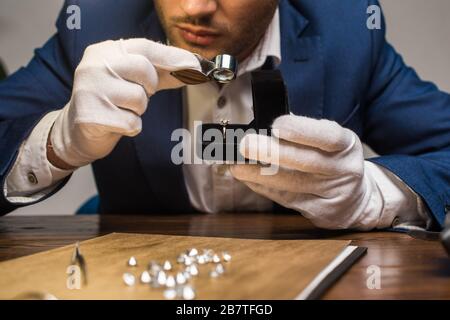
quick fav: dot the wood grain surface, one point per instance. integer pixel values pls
(410, 268)
(259, 269)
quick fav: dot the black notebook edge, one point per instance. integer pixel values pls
(332, 272)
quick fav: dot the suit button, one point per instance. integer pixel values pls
(32, 178)
(221, 102)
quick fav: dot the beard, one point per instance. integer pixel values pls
(237, 39)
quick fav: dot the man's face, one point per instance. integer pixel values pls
(212, 27)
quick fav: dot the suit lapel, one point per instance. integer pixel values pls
(302, 63)
(154, 145)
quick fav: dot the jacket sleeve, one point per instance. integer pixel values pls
(407, 122)
(26, 96)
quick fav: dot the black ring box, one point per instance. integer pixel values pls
(220, 142)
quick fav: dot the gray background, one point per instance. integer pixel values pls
(419, 29)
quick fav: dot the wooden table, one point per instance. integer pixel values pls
(410, 268)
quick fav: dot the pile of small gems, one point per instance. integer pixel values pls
(175, 281)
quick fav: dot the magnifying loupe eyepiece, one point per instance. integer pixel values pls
(222, 69)
(225, 68)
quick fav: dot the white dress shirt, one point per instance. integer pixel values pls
(211, 187)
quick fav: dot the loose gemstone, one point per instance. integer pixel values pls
(132, 262)
(193, 270)
(213, 274)
(187, 274)
(180, 278)
(167, 265)
(220, 269)
(129, 279)
(188, 293)
(154, 266)
(216, 258)
(193, 252)
(170, 294)
(188, 261)
(170, 282)
(226, 256)
(161, 278)
(145, 277)
(201, 259)
(181, 258)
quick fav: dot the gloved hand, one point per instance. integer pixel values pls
(112, 85)
(322, 173)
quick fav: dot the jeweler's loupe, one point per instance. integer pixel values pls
(225, 67)
(221, 69)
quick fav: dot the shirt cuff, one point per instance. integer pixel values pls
(402, 207)
(33, 176)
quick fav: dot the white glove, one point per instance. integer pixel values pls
(322, 173)
(112, 85)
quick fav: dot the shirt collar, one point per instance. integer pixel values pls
(269, 46)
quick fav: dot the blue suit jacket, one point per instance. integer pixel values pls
(334, 68)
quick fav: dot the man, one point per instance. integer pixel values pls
(83, 99)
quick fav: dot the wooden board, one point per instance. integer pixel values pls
(259, 269)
